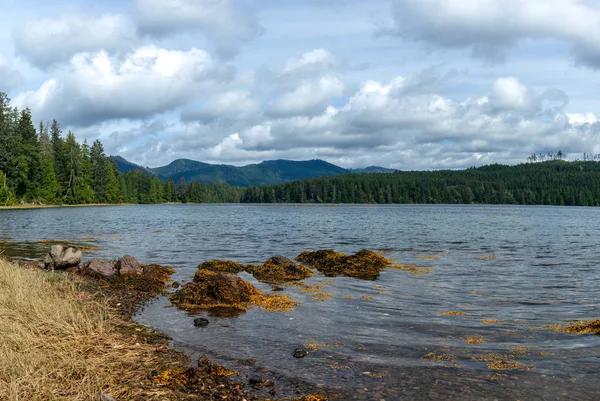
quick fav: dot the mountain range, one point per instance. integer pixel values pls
(266, 173)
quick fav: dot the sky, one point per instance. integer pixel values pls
(406, 84)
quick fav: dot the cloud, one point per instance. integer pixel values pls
(226, 24)
(309, 98)
(489, 28)
(317, 61)
(237, 105)
(97, 87)
(10, 78)
(49, 42)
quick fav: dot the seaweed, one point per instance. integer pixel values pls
(279, 269)
(213, 291)
(364, 264)
(222, 266)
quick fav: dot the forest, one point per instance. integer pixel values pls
(39, 164)
(552, 182)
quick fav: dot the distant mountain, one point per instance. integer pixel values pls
(372, 169)
(266, 173)
(125, 165)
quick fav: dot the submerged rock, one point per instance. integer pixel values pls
(365, 264)
(61, 258)
(300, 353)
(280, 269)
(201, 322)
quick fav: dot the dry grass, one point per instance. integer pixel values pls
(57, 343)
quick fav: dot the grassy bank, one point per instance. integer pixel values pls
(33, 206)
(58, 342)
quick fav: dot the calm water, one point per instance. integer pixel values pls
(545, 271)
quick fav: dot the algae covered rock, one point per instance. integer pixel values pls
(222, 266)
(364, 264)
(280, 269)
(227, 292)
(211, 289)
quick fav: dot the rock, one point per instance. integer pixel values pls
(210, 290)
(256, 381)
(201, 322)
(280, 269)
(61, 258)
(228, 289)
(100, 268)
(128, 265)
(300, 353)
(175, 284)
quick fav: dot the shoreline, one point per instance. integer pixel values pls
(123, 360)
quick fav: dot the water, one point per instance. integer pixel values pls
(545, 271)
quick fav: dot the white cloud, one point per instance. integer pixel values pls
(234, 105)
(312, 62)
(582, 118)
(309, 98)
(48, 42)
(490, 27)
(97, 87)
(224, 22)
(509, 93)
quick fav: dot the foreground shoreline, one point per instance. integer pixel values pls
(86, 325)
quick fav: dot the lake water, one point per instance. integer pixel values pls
(509, 268)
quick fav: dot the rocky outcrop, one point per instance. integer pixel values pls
(128, 265)
(100, 268)
(107, 268)
(62, 258)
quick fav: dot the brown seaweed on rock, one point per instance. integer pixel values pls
(211, 290)
(279, 269)
(364, 264)
(222, 266)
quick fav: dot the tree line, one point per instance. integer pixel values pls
(42, 165)
(554, 182)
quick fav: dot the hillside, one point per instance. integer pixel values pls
(556, 182)
(265, 173)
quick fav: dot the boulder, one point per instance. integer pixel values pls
(129, 265)
(280, 269)
(61, 258)
(100, 268)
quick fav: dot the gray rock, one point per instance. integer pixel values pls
(129, 265)
(100, 268)
(61, 258)
(201, 322)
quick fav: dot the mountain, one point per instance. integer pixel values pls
(372, 169)
(125, 165)
(265, 173)
(269, 172)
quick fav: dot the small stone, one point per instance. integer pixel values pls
(256, 380)
(300, 353)
(201, 322)
(175, 284)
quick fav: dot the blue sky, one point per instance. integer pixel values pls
(409, 84)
